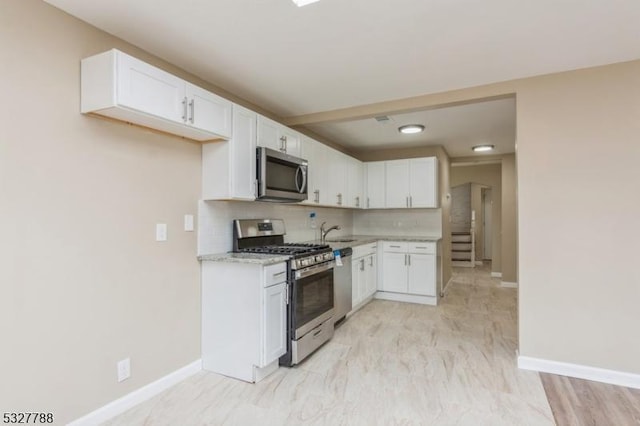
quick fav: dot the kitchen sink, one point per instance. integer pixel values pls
(341, 240)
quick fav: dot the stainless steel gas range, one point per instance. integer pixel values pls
(309, 282)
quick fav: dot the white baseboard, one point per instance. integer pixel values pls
(496, 274)
(508, 284)
(138, 396)
(613, 377)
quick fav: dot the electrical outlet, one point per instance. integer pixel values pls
(161, 232)
(124, 369)
(188, 222)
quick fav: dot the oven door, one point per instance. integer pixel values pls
(312, 298)
(281, 177)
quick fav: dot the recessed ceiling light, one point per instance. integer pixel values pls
(301, 3)
(483, 148)
(411, 128)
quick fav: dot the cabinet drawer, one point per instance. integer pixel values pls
(394, 247)
(274, 274)
(363, 250)
(426, 247)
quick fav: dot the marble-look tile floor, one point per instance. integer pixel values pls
(390, 363)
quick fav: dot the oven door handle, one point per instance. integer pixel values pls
(312, 270)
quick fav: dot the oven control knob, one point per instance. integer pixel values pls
(328, 256)
(319, 258)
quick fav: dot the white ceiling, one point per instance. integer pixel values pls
(339, 53)
(457, 128)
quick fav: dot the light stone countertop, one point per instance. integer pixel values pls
(254, 258)
(368, 239)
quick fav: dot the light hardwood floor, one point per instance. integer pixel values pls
(577, 402)
(390, 363)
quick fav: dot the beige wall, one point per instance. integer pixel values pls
(444, 188)
(83, 284)
(509, 237)
(489, 175)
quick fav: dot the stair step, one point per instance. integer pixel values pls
(460, 251)
(461, 233)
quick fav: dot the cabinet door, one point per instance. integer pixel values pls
(394, 272)
(355, 278)
(355, 177)
(291, 141)
(375, 185)
(337, 174)
(422, 274)
(243, 154)
(274, 324)
(207, 111)
(397, 184)
(268, 134)
(372, 275)
(148, 89)
(423, 182)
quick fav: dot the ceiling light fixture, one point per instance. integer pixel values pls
(483, 148)
(411, 128)
(301, 3)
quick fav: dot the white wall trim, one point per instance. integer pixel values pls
(496, 274)
(138, 396)
(613, 377)
(508, 284)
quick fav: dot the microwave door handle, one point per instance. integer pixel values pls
(303, 187)
(298, 174)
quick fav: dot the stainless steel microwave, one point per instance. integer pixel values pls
(281, 177)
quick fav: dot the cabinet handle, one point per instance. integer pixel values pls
(339, 199)
(283, 143)
(317, 193)
(410, 201)
(278, 274)
(409, 257)
(184, 109)
(357, 201)
(368, 203)
(192, 105)
(371, 261)
(286, 293)
(395, 246)
(405, 260)
(362, 264)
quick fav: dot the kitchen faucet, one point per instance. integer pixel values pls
(323, 233)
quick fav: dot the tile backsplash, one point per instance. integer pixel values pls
(401, 222)
(215, 217)
(215, 234)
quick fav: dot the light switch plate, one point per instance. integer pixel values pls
(124, 369)
(188, 222)
(161, 232)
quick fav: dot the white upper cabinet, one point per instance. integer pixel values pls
(355, 183)
(120, 86)
(397, 184)
(316, 155)
(375, 185)
(274, 135)
(207, 111)
(229, 168)
(336, 169)
(412, 183)
(423, 182)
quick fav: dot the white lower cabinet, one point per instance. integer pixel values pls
(364, 275)
(243, 318)
(409, 272)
